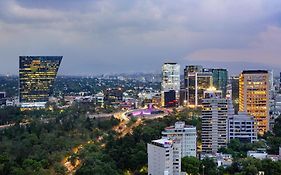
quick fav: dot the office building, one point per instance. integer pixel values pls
(215, 112)
(170, 98)
(196, 82)
(170, 85)
(254, 96)
(189, 70)
(234, 81)
(99, 99)
(220, 80)
(183, 97)
(161, 158)
(184, 135)
(113, 96)
(242, 127)
(36, 79)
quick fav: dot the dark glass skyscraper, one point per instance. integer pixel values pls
(36, 76)
(220, 80)
(197, 80)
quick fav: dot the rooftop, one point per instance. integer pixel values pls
(255, 72)
(163, 142)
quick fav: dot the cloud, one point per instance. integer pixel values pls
(131, 35)
(265, 49)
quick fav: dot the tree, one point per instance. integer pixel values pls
(208, 166)
(277, 127)
(190, 165)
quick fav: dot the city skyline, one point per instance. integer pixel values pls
(136, 87)
(97, 37)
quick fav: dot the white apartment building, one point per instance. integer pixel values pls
(214, 121)
(161, 157)
(183, 135)
(242, 127)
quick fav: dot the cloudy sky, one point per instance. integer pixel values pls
(112, 36)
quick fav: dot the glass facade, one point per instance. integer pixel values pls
(170, 80)
(204, 81)
(220, 79)
(36, 76)
(196, 81)
(170, 99)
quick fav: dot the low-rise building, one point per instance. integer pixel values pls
(242, 127)
(99, 99)
(224, 160)
(259, 154)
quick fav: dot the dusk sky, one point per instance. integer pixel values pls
(116, 36)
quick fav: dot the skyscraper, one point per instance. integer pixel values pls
(234, 81)
(170, 85)
(214, 120)
(36, 79)
(220, 80)
(196, 82)
(254, 96)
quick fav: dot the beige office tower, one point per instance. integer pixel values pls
(254, 96)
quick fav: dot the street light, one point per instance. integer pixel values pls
(203, 169)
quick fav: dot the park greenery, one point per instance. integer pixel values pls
(40, 146)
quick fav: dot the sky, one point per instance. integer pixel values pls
(126, 36)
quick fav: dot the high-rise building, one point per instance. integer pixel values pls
(170, 84)
(215, 112)
(254, 96)
(234, 84)
(196, 82)
(242, 127)
(36, 77)
(220, 80)
(163, 158)
(185, 136)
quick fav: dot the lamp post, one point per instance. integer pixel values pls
(203, 169)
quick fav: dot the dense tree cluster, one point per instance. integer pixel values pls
(39, 146)
(130, 152)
